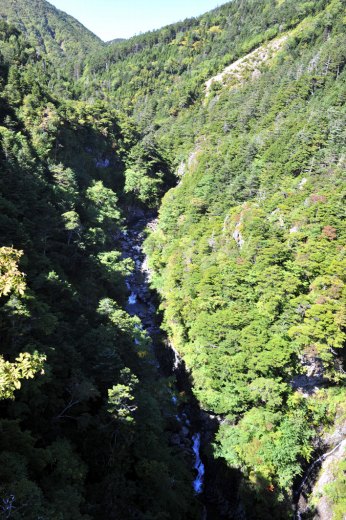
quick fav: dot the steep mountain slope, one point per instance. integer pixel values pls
(247, 105)
(249, 250)
(159, 74)
(55, 33)
(249, 254)
(88, 437)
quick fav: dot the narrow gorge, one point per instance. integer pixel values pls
(172, 263)
(193, 430)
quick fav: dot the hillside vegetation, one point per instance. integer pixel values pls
(53, 33)
(249, 253)
(232, 125)
(84, 417)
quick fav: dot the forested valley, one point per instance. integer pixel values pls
(219, 141)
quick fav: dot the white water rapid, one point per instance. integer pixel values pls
(132, 298)
(199, 466)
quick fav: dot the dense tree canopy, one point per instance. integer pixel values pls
(248, 254)
(80, 402)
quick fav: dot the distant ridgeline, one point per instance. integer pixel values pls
(246, 104)
(53, 33)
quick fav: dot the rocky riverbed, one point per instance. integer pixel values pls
(141, 302)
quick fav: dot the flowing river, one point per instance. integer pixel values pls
(141, 302)
(199, 466)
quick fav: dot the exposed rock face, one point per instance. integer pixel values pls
(102, 163)
(294, 229)
(237, 71)
(238, 236)
(313, 499)
(313, 378)
(324, 507)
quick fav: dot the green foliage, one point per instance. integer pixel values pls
(26, 365)
(11, 279)
(103, 209)
(148, 175)
(336, 490)
(121, 401)
(248, 254)
(59, 36)
(249, 251)
(146, 190)
(11, 374)
(96, 426)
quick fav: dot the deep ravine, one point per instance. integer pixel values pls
(197, 428)
(141, 304)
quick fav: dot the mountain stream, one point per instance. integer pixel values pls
(141, 302)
